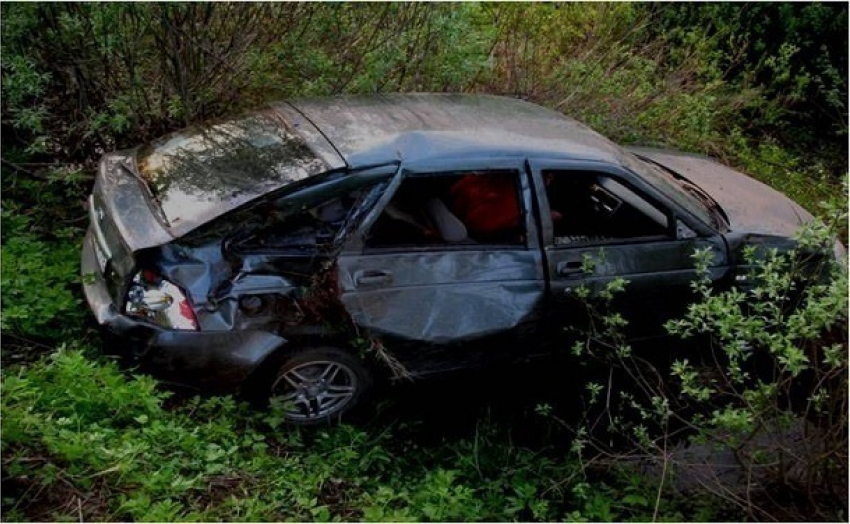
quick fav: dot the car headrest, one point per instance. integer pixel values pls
(449, 226)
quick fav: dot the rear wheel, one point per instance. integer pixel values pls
(320, 385)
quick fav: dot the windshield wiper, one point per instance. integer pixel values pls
(705, 199)
(718, 215)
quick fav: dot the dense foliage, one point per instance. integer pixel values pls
(760, 86)
(756, 380)
(757, 84)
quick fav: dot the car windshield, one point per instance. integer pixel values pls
(670, 185)
(200, 173)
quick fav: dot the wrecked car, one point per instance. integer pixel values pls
(305, 249)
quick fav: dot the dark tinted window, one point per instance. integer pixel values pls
(590, 207)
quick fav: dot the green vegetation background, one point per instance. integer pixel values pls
(762, 87)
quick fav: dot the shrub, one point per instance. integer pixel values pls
(83, 440)
(758, 380)
(40, 281)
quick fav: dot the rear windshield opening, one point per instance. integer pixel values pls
(198, 174)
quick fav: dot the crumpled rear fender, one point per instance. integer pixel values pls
(210, 360)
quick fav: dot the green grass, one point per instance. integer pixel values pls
(81, 439)
(85, 439)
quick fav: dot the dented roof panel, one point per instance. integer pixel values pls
(382, 128)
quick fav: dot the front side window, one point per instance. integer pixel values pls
(593, 207)
(453, 209)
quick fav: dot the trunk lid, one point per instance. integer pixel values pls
(123, 220)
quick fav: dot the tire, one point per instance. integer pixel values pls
(319, 385)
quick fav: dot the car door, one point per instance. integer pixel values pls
(435, 280)
(601, 222)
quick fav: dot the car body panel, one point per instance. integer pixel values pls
(97, 295)
(217, 272)
(121, 199)
(442, 297)
(480, 290)
(657, 274)
(658, 270)
(210, 360)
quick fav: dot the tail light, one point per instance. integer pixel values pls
(159, 301)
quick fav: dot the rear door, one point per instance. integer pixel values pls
(442, 279)
(600, 223)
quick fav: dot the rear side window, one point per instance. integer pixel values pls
(452, 209)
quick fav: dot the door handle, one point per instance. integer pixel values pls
(570, 268)
(373, 278)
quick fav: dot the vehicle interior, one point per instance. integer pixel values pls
(592, 207)
(311, 228)
(448, 210)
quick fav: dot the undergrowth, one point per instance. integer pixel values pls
(82, 440)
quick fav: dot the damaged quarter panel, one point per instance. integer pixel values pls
(215, 288)
(211, 360)
(250, 269)
(246, 292)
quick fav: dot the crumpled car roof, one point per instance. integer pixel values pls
(376, 129)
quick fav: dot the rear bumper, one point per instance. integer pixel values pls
(214, 360)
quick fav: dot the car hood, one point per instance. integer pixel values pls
(752, 207)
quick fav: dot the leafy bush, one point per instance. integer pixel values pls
(40, 281)
(79, 79)
(767, 393)
(796, 52)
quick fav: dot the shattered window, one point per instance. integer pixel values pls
(445, 209)
(315, 226)
(201, 173)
